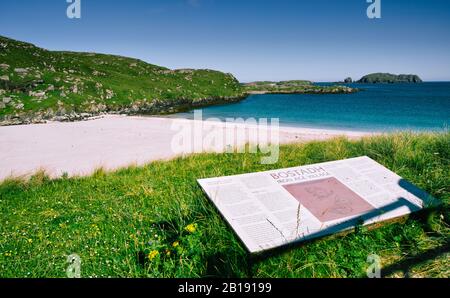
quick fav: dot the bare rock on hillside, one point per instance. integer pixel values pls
(4, 66)
(21, 71)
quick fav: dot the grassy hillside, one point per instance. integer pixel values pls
(36, 84)
(155, 221)
(44, 83)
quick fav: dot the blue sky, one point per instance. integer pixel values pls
(320, 40)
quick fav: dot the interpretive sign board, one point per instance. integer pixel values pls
(275, 208)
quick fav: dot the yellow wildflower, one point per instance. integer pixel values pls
(191, 228)
(153, 254)
(30, 241)
(175, 244)
(167, 252)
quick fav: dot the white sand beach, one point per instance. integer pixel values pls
(110, 142)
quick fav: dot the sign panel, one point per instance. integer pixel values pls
(275, 208)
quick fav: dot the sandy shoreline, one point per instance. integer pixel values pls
(112, 142)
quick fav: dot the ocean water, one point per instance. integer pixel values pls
(378, 107)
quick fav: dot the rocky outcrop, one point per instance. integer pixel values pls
(307, 90)
(142, 107)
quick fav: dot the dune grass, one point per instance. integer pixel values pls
(154, 221)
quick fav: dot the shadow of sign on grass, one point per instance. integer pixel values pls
(405, 266)
(219, 265)
(338, 228)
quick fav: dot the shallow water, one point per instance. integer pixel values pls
(378, 107)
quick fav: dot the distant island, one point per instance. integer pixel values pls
(387, 78)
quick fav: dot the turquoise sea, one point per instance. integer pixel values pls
(378, 107)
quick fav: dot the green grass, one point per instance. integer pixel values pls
(90, 82)
(122, 224)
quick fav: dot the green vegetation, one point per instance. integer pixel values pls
(375, 78)
(290, 87)
(39, 84)
(155, 221)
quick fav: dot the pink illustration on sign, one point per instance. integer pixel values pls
(328, 199)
